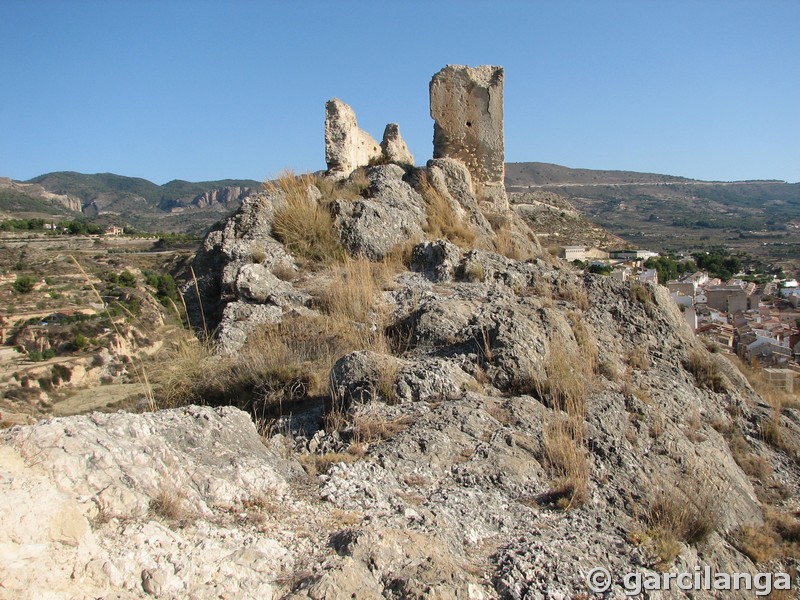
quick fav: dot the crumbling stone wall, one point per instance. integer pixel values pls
(467, 109)
(346, 146)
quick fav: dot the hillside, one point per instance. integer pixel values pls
(661, 212)
(179, 206)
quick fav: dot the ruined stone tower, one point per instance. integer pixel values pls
(467, 109)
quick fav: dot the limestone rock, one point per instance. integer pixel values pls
(394, 148)
(346, 146)
(392, 215)
(467, 109)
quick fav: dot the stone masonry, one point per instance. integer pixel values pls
(467, 109)
(346, 146)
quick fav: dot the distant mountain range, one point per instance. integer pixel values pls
(174, 206)
(629, 204)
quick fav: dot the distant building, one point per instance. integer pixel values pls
(731, 299)
(571, 253)
(648, 276)
(113, 230)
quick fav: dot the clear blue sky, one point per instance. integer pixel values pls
(207, 90)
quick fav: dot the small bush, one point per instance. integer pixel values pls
(41, 355)
(24, 284)
(127, 279)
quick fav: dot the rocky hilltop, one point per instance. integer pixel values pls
(444, 410)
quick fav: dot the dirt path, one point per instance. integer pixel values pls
(96, 397)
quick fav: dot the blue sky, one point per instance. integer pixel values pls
(208, 90)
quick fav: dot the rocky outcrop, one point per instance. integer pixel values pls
(394, 148)
(393, 213)
(346, 146)
(71, 203)
(92, 504)
(467, 109)
(222, 199)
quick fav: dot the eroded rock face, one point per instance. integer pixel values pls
(467, 109)
(346, 146)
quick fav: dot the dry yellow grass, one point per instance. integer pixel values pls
(566, 385)
(586, 342)
(280, 363)
(707, 373)
(353, 293)
(168, 504)
(368, 429)
(442, 222)
(566, 458)
(676, 515)
(303, 224)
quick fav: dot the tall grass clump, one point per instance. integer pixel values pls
(441, 219)
(565, 453)
(675, 516)
(565, 386)
(302, 223)
(707, 373)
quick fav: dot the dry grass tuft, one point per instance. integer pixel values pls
(303, 224)
(586, 342)
(675, 516)
(369, 429)
(758, 544)
(352, 294)
(474, 272)
(565, 453)
(507, 245)
(279, 364)
(566, 386)
(168, 504)
(442, 221)
(639, 359)
(707, 373)
(572, 290)
(319, 464)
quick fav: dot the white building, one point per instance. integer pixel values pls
(571, 253)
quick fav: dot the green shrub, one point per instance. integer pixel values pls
(24, 284)
(127, 279)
